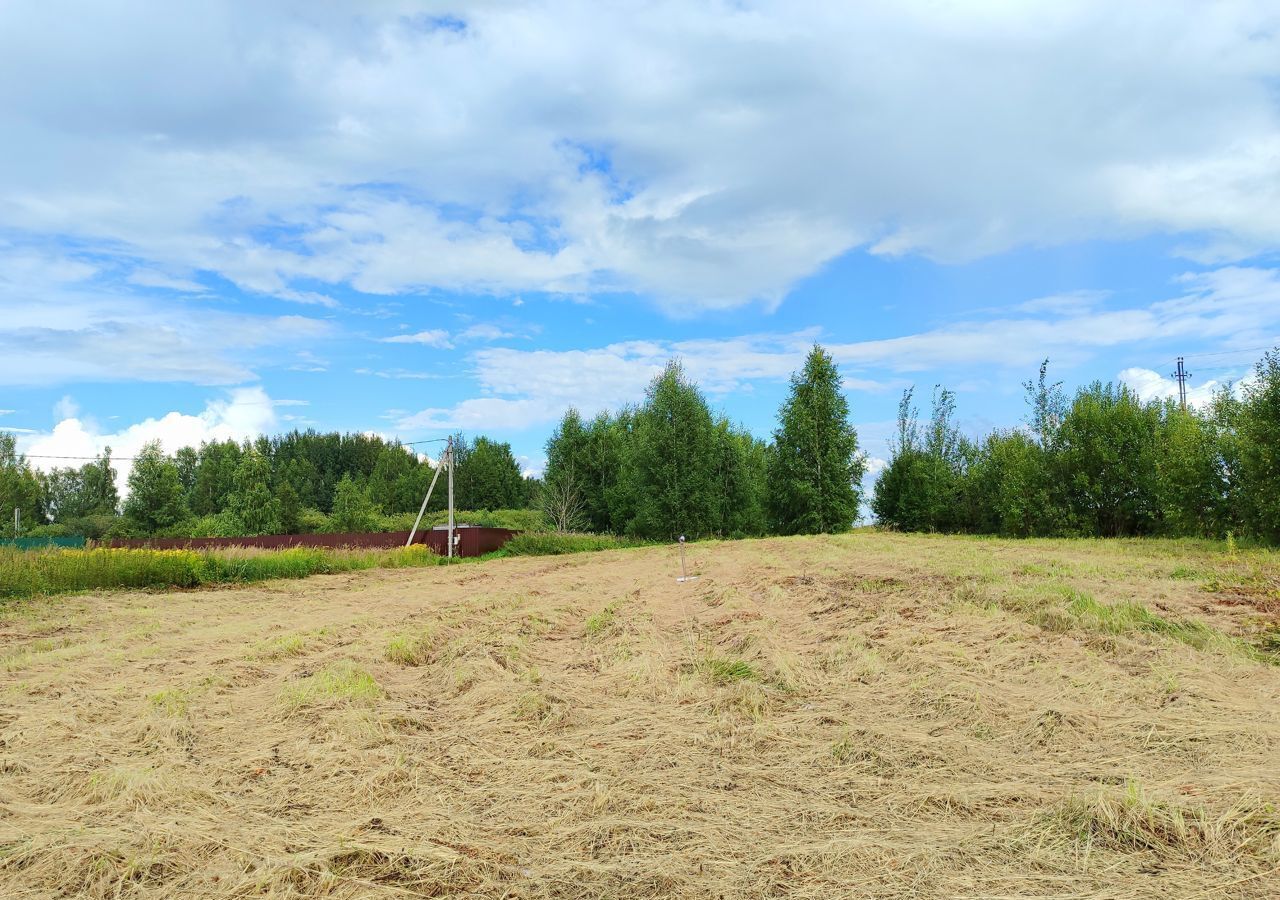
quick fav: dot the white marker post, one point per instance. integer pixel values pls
(684, 573)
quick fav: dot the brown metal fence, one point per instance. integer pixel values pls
(472, 540)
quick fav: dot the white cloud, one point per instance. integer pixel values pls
(434, 337)
(533, 387)
(523, 388)
(531, 467)
(1233, 303)
(66, 408)
(244, 413)
(484, 332)
(401, 374)
(704, 154)
(55, 334)
(871, 385)
(152, 278)
(1151, 385)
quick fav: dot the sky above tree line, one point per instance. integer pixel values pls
(412, 218)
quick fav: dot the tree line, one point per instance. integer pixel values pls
(665, 467)
(671, 466)
(302, 481)
(1103, 462)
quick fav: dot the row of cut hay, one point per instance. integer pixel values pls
(31, 573)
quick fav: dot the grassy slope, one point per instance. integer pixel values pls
(897, 716)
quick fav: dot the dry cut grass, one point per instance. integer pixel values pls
(869, 715)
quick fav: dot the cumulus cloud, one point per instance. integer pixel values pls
(1151, 385)
(704, 155)
(242, 414)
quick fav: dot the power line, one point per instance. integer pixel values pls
(1231, 352)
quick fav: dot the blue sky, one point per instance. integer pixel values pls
(420, 217)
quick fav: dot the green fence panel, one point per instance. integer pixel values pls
(74, 542)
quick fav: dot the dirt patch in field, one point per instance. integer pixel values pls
(865, 715)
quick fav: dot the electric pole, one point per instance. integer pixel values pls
(1182, 375)
(449, 456)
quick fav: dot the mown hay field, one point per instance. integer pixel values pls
(869, 715)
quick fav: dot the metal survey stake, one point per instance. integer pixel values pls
(684, 573)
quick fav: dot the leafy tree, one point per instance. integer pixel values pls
(1191, 477)
(1011, 487)
(488, 476)
(613, 496)
(1259, 449)
(155, 491)
(352, 508)
(99, 496)
(73, 495)
(392, 483)
(1107, 455)
(741, 481)
(815, 468)
(567, 449)
(290, 509)
(19, 487)
(188, 461)
(672, 468)
(255, 506)
(566, 481)
(215, 476)
(924, 487)
(1048, 406)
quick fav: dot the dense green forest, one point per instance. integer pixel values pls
(1100, 463)
(296, 482)
(668, 466)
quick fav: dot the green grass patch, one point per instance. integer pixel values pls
(1059, 607)
(1122, 618)
(1134, 821)
(286, 645)
(342, 682)
(174, 702)
(411, 648)
(40, 572)
(723, 670)
(603, 622)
